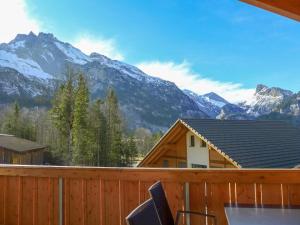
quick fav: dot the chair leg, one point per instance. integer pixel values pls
(215, 221)
(177, 218)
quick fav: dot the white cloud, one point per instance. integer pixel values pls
(14, 19)
(107, 47)
(183, 76)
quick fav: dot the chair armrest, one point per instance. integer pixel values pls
(180, 212)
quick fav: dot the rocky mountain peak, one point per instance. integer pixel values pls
(25, 37)
(47, 36)
(260, 87)
(32, 36)
(272, 91)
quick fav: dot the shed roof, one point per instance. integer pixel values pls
(252, 144)
(13, 143)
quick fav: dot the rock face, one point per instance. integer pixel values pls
(29, 90)
(31, 67)
(233, 112)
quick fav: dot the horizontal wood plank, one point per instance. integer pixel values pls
(275, 176)
(29, 194)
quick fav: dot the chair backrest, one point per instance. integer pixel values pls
(157, 193)
(144, 214)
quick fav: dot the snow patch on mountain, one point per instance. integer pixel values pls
(127, 69)
(17, 44)
(214, 102)
(9, 89)
(27, 67)
(73, 54)
(210, 103)
(215, 99)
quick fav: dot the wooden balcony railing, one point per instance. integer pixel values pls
(104, 196)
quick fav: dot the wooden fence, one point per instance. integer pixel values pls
(104, 196)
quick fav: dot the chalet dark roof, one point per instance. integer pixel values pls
(252, 144)
(10, 142)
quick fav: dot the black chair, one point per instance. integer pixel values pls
(157, 193)
(144, 214)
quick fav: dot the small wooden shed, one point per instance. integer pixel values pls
(14, 150)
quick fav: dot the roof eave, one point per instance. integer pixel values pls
(282, 9)
(24, 151)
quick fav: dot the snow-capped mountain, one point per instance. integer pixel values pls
(210, 103)
(42, 56)
(31, 65)
(266, 103)
(267, 100)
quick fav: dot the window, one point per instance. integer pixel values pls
(182, 164)
(198, 166)
(192, 141)
(15, 159)
(203, 144)
(166, 163)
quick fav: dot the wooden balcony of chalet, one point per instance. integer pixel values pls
(88, 196)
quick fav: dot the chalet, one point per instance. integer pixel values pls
(208, 143)
(14, 150)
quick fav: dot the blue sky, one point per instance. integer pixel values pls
(224, 46)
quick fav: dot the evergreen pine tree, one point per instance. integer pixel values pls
(98, 128)
(129, 153)
(62, 115)
(12, 124)
(114, 128)
(133, 153)
(16, 119)
(82, 153)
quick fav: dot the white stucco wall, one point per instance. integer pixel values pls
(196, 154)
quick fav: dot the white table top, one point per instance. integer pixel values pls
(262, 216)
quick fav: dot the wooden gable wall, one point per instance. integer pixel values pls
(216, 160)
(25, 158)
(175, 154)
(173, 149)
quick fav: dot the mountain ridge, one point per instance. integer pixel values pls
(32, 66)
(146, 101)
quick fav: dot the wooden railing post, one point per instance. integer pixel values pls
(60, 201)
(187, 201)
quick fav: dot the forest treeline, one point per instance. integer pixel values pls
(78, 130)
